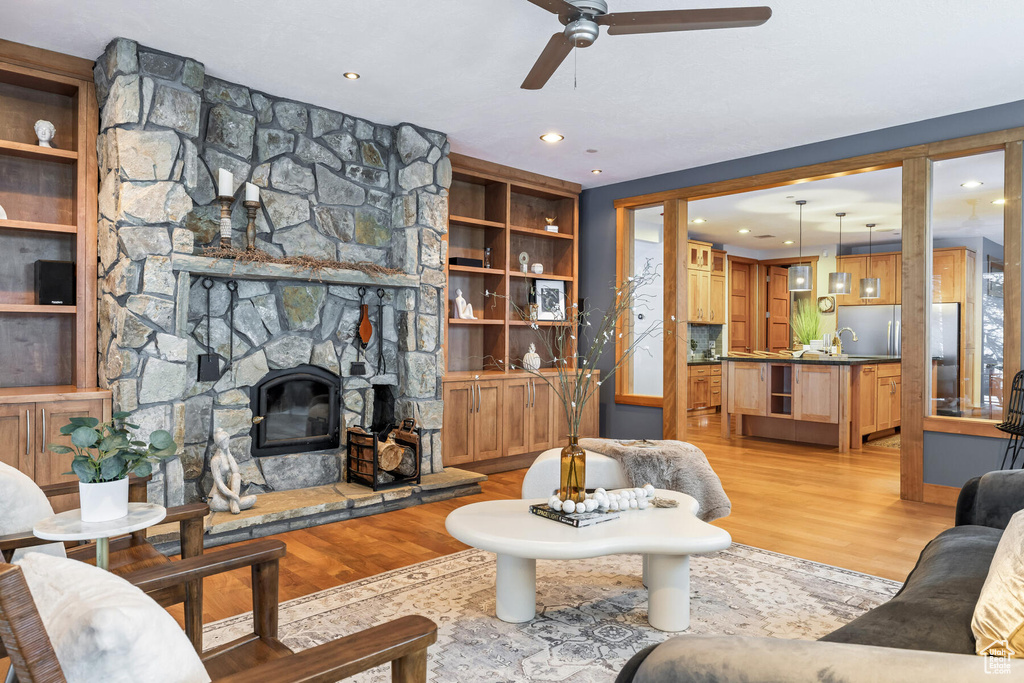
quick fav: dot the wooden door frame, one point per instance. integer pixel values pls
(915, 271)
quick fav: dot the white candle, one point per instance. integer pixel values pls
(252, 193)
(225, 183)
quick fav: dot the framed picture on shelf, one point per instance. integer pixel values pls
(549, 295)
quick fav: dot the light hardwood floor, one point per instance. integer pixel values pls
(795, 499)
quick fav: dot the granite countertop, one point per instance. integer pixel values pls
(825, 360)
(705, 361)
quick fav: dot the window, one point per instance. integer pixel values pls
(644, 248)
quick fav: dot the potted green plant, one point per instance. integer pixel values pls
(806, 322)
(105, 453)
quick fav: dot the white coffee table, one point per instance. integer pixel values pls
(665, 536)
(68, 526)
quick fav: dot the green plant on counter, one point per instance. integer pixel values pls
(806, 322)
(106, 451)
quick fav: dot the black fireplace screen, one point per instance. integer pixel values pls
(294, 411)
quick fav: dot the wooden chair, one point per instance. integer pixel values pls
(133, 552)
(255, 658)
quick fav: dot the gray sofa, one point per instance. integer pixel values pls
(923, 633)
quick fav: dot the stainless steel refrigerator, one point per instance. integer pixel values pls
(878, 334)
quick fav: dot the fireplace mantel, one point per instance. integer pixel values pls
(218, 267)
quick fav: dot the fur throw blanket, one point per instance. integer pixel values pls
(673, 465)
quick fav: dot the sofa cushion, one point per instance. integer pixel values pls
(934, 608)
(999, 615)
(22, 504)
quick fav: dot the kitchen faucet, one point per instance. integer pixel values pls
(839, 338)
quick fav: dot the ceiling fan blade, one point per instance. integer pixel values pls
(557, 49)
(558, 7)
(684, 19)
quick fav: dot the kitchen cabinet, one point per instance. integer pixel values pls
(28, 428)
(716, 386)
(698, 295)
(699, 394)
(947, 273)
(716, 300)
(718, 262)
(529, 418)
(699, 255)
(867, 399)
(887, 403)
(857, 267)
(883, 266)
(747, 389)
(816, 393)
(473, 421)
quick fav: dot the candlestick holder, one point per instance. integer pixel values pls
(250, 229)
(225, 220)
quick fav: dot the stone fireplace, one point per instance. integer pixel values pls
(333, 186)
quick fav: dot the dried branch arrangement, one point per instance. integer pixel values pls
(299, 263)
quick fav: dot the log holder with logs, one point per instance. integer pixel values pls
(383, 457)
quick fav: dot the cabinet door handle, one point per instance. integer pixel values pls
(478, 392)
(762, 372)
(796, 372)
(44, 427)
(28, 434)
(472, 399)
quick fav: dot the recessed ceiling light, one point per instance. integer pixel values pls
(971, 184)
(552, 137)
(744, 231)
(351, 75)
(698, 221)
(788, 242)
(597, 171)
(591, 151)
(1000, 202)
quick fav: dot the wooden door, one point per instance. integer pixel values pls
(17, 448)
(883, 266)
(816, 393)
(741, 294)
(856, 266)
(541, 422)
(779, 336)
(868, 399)
(748, 394)
(457, 435)
(50, 467)
(488, 420)
(946, 276)
(693, 295)
(518, 396)
(716, 300)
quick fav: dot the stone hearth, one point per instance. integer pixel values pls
(332, 186)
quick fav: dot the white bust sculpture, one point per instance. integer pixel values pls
(531, 361)
(45, 131)
(463, 309)
(227, 481)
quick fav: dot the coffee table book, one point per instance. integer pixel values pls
(576, 519)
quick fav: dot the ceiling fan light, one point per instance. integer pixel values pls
(840, 283)
(870, 287)
(799, 278)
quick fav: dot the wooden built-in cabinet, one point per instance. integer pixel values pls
(494, 410)
(886, 267)
(502, 416)
(816, 393)
(788, 390)
(876, 393)
(705, 387)
(706, 284)
(699, 255)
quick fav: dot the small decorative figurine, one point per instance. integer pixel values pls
(227, 481)
(531, 361)
(524, 260)
(463, 309)
(534, 312)
(3, 214)
(537, 268)
(551, 227)
(45, 132)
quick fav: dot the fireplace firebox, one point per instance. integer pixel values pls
(295, 411)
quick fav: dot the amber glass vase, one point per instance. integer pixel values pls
(573, 483)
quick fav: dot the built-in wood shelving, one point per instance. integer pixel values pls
(477, 222)
(540, 233)
(32, 308)
(27, 151)
(38, 227)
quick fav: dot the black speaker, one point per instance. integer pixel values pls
(55, 283)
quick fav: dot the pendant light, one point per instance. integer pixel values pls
(870, 287)
(840, 283)
(800, 275)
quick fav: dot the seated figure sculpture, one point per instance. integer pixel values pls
(225, 494)
(463, 309)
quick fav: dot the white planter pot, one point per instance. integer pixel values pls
(104, 501)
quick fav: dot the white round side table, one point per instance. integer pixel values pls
(68, 526)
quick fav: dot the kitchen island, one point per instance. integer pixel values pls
(832, 401)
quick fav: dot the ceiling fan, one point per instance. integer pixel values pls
(583, 18)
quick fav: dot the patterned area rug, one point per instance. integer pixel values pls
(592, 615)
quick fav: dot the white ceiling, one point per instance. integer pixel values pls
(648, 103)
(873, 197)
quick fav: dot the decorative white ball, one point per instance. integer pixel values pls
(554, 502)
(603, 507)
(591, 505)
(649, 489)
(642, 503)
(613, 505)
(599, 490)
(633, 504)
(568, 507)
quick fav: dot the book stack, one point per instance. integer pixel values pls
(576, 519)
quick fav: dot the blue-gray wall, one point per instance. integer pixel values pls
(949, 458)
